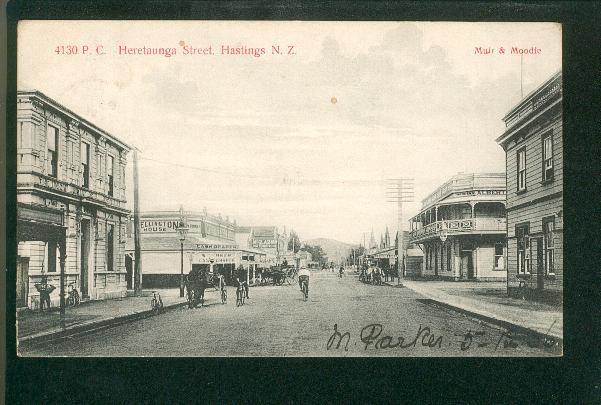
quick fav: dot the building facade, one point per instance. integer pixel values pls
(461, 229)
(533, 143)
(70, 175)
(211, 243)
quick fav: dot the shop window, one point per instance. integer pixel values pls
(521, 172)
(52, 157)
(547, 157)
(549, 245)
(521, 232)
(499, 258)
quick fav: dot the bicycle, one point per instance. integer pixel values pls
(305, 289)
(73, 299)
(223, 290)
(523, 291)
(240, 292)
(156, 303)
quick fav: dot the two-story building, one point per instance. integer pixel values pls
(534, 158)
(461, 229)
(210, 244)
(71, 213)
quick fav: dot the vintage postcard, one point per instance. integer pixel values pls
(289, 189)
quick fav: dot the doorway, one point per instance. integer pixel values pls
(85, 251)
(22, 281)
(467, 265)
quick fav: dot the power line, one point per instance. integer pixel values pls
(284, 179)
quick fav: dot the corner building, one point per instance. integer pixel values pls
(71, 211)
(461, 229)
(533, 143)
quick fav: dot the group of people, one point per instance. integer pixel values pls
(375, 275)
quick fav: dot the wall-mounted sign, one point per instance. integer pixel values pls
(159, 226)
(264, 243)
(206, 246)
(480, 192)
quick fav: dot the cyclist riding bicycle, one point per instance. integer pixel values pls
(303, 276)
(241, 279)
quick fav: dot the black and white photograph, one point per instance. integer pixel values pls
(289, 189)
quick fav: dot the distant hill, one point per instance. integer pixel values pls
(334, 249)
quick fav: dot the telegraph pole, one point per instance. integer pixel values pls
(137, 249)
(400, 191)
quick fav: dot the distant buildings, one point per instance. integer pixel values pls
(70, 203)
(533, 144)
(461, 229)
(212, 243)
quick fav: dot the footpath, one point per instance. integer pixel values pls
(490, 302)
(37, 327)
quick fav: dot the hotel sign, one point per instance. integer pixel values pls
(159, 226)
(479, 192)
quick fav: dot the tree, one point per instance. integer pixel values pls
(294, 243)
(317, 253)
(354, 253)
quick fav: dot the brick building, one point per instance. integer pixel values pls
(534, 158)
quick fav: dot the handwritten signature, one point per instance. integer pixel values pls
(373, 335)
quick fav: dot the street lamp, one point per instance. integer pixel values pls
(182, 231)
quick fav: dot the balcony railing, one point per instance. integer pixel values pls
(43, 181)
(549, 91)
(459, 227)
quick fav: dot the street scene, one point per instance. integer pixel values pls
(217, 189)
(276, 321)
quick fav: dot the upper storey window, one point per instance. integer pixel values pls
(52, 146)
(521, 180)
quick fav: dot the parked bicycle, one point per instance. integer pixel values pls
(156, 303)
(73, 298)
(222, 289)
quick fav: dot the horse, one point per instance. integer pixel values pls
(197, 282)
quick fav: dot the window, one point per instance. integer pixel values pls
(549, 245)
(449, 254)
(20, 135)
(85, 164)
(521, 233)
(52, 257)
(548, 157)
(521, 169)
(110, 245)
(499, 259)
(52, 145)
(100, 170)
(111, 177)
(435, 257)
(71, 152)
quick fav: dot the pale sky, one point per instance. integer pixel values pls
(259, 139)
